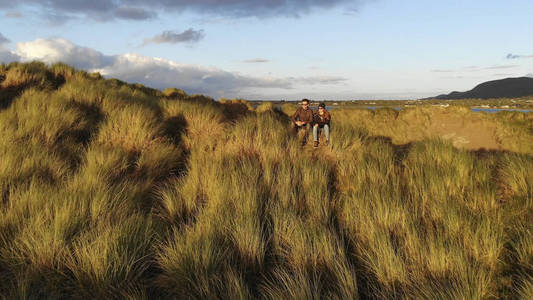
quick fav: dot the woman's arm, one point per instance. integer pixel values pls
(327, 117)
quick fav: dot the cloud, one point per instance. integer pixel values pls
(156, 72)
(14, 15)
(56, 19)
(503, 74)
(516, 56)
(54, 50)
(347, 95)
(452, 77)
(72, 6)
(134, 13)
(58, 12)
(151, 71)
(100, 9)
(319, 80)
(162, 73)
(351, 11)
(3, 39)
(7, 56)
(256, 8)
(256, 60)
(530, 75)
(495, 67)
(172, 37)
(501, 67)
(474, 69)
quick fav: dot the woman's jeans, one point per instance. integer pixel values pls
(318, 129)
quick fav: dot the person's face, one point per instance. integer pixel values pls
(321, 109)
(305, 104)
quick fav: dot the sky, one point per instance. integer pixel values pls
(279, 49)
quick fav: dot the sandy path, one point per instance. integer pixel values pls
(469, 134)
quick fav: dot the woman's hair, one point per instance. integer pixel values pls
(323, 105)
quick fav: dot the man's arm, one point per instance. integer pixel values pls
(295, 115)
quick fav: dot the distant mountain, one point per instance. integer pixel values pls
(503, 88)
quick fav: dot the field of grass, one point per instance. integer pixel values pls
(113, 190)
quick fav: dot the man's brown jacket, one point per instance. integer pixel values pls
(303, 115)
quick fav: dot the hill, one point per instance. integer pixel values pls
(110, 190)
(503, 88)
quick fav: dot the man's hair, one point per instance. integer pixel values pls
(323, 105)
(305, 100)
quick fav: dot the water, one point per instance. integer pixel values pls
(278, 107)
(348, 106)
(495, 110)
(474, 109)
(376, 107)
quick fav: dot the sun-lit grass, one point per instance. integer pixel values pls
(116, 190)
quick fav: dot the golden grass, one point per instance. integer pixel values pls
(111, 190)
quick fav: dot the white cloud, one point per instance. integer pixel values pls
(161, 73)
(151, 71)
(156, 72)
(54, 50)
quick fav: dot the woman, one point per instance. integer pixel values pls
(321, 122)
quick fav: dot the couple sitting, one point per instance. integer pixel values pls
(304, 118)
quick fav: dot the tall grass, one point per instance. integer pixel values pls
(113, 190)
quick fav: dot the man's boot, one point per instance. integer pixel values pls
(316, 144)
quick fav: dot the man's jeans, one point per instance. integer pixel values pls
(318, 129)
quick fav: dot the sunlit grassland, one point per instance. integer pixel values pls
(112, 190)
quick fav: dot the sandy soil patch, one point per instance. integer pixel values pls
(470, 134)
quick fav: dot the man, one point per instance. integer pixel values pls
(302, 119)
(321, 122)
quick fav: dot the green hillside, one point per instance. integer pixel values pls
(502, 88)
(118, 191)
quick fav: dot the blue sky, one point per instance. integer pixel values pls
(336, 49)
